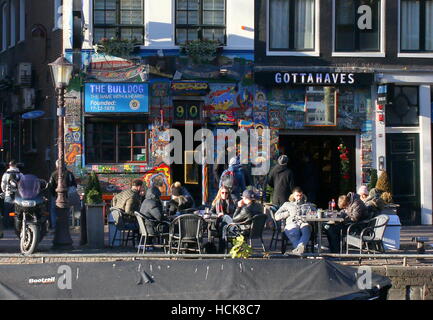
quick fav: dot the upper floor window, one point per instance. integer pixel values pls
(291, 25)
(416, 25)
(119, 19)
(200, 19)
(357, 25)
(404, 110)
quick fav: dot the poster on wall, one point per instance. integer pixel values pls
(320, 106)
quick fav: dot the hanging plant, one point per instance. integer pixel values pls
(201, 51)
(345, 168)
(116, 47)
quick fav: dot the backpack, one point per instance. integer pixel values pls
(228, 179)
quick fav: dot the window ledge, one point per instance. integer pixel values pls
(359, 54)
(293, 53)
(415, 55)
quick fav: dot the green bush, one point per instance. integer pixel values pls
(116, 47)
(240, 248)
(93, 193)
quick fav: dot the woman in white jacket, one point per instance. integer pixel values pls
(297, 230)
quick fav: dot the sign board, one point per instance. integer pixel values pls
(116, 97)
(187, 109)
(277, 78)
(189, 88)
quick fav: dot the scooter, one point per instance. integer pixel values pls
(31, 216)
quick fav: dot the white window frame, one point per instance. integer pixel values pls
(408, 54)
(4, 11)
(58, 4)
(22, 35)
(13, 24)
(315, 53)
(380, 54)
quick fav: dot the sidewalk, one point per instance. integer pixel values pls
(9, 246)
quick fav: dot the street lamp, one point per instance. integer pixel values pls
(61, 71)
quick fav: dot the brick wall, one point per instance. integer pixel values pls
(408, 283)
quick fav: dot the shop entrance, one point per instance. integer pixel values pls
(316, 164)
(190, 176)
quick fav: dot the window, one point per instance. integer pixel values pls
(119, 19)
(58, 14)
(416, 25)
(200, 19)
(22, 20)
(12, 20)
(4, 26)
(291, 25)
(357, 25)
(115, 142)
(404, 110)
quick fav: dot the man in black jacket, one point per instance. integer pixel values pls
(281, 179)
(152, 209)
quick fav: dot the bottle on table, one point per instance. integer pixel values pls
(333, 204)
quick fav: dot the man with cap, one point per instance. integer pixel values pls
(281, 179)
(247, 208)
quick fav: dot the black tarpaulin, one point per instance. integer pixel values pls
(210, 279)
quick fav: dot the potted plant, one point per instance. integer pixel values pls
(94, 212)
(201, 51)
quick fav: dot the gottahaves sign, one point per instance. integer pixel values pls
(267, 78)
(116, 97)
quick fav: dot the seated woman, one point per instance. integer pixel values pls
(297, 230)
(184, 192)
(152, 209)
(224, 207)
(178, 202)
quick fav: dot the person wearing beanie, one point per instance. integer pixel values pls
(178, 200)
(281, 179)
(234, 178)
(363, 193)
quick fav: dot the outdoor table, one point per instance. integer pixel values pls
(319, 222)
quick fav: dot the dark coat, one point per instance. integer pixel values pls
(179, 204)
(357, 211)
(240, 184)
(281, 179)
(152, 208)
(218, 208)
(245, 214)
(69, 181)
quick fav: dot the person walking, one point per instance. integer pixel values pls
(234, 179)
(72, 195)
(281, 180)
(12, 173)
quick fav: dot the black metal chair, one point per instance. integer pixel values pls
(371, 234)
(186, 229)
(277, 228)
(161, 228)
(125, 227)
(254, 232)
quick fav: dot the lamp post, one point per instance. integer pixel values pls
(61, 71)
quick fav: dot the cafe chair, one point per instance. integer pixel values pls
(186, 233)
(161, 234)
(254, 232)
(370, 238)
(126, 229)
(277, 228)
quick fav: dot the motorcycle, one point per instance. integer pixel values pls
(31, 216)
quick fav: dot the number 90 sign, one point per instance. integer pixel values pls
(186, 111)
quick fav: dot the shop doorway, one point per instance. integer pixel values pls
(189, 176)
(315, 161)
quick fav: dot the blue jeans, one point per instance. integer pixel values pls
(298, 235)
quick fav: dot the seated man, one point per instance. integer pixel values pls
(353, 210)
(178, 201)
(128, 201)
(297, 230)
(152, 209)
(246, 209)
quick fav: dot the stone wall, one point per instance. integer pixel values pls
(408, 283)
